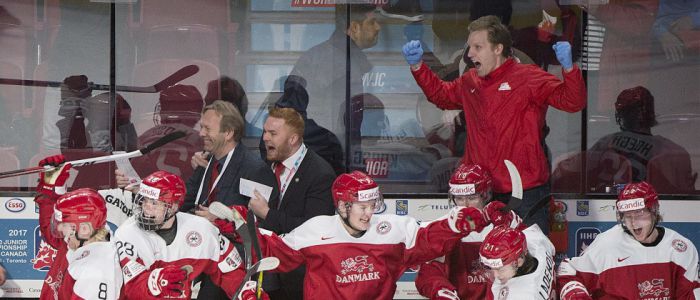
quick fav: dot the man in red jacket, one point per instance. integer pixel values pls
(504, 104)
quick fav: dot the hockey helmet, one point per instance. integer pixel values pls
(502, 246)
(83, 205)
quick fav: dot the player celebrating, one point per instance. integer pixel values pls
(520, 263)
(636, 259)
(458, 275)
(86, 265)
(356, 255)
(161, 250)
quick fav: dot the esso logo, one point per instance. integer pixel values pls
(15, 205)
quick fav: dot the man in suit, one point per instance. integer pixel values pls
(219, 171)
(305, 181)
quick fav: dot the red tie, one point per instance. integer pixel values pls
(211, 195)
(279, 168)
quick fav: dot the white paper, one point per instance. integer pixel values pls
(247, 187)
(125, 166)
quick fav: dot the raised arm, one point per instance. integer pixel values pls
(51, 186)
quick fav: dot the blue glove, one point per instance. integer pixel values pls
(563, 52)
(412, 52)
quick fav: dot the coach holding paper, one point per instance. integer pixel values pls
(504, 104)
(219, 172)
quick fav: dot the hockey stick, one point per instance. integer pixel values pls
(416, 18)
(246, 229)
(96, 160)
(516, 195)
(169, 81)
(252, 231)
(265, 264)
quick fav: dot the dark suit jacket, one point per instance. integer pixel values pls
(243, 164)
(308, 195)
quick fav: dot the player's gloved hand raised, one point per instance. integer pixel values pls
(496, 216)
(563, 52)
(168, 282)
(466, 219)
(446, 294)
(248, 292)
(574, 290)
(413, 52)
(53, 183)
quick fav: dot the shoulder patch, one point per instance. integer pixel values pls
(193, 239)
(679, 245)
(383, 227)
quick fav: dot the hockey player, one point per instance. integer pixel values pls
(459, 274)
(636, 259)
(520, 263)
(356, 255)
(162, 250)
(86, 265)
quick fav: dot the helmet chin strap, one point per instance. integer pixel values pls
(346, 220)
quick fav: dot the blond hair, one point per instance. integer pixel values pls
(231, 118)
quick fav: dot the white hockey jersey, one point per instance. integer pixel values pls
(340, 266)
(197, 243)
(93, 273)
(536, 285)
(616, 266)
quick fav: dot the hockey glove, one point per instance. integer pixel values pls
(248, 292)
(412, 52)
(496, 216)
(168, 282)
(466, 219)
(574, 290)
(53, 183)
(446, 294)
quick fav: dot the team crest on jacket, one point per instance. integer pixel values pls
(354, 269)
(194, 239)
(503, 293)
(83, 255)
(383, 227)
(679, 245)
(654, 287)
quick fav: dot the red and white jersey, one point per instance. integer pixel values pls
(536, 285)
(340, 266)
(460, 270)
(197, 243)
(93, 273)
(616, 266)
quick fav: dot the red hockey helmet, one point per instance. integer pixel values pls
(165, 193)
(355, 187)
(502, 246)
(470, 179)
(164, 186)
(80, 206)
(637, 196)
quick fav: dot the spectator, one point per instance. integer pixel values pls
(230, 90)
(317, 138)
(505, 105)
(324, 67)
(305, 188)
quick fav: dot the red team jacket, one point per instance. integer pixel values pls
(505, 114)
(339, 266)
(616, 266)
(90, 272)
(197, 243)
